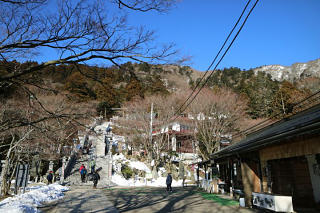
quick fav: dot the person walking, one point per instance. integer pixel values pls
(83, 172)
(50, 177)
(168, 182)
(81, 167)
(95, 179)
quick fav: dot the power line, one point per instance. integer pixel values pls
(176, 114)
(252, 128)
(220, 59)
(214, 60)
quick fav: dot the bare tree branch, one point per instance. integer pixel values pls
(79, 31)
(145, 5)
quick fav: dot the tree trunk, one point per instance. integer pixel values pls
(5, 185)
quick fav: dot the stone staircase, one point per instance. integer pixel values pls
(74, 177)
(104, 179)
(98, 152)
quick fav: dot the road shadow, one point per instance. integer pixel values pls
(150, 199)
(80, 202)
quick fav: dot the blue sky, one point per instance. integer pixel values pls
(277, 32)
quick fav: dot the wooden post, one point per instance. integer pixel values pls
(250, 180)
(246, 181)
(231, 169)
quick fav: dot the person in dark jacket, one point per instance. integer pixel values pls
(95, 179)
(50, 177)
(168, 182)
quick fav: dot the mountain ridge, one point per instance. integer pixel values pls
(297, 71)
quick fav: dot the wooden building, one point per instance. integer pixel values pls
(280, 159)
(180, 136)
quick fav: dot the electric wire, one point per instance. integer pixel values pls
(214, 60)
(241, 27)
(274, 116)
(179, 111)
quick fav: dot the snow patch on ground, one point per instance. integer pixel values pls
(29, 201)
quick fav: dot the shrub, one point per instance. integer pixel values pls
(114, 150)
(126, 172)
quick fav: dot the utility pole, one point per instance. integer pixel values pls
(154, 171)
(151, 112)
(110, 164)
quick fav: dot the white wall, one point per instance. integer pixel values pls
(174, 143)
(164, 129)
(176, 127)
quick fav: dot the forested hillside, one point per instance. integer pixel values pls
(110, 87)
(266, 97)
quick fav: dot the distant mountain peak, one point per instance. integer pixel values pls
(293, 72)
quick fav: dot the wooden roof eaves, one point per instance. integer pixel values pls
(305, 123)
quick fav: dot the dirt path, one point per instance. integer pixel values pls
(82, 199)
(188, 200)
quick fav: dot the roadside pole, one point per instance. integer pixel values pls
(62, 169)
(109, 159)
(151, 112)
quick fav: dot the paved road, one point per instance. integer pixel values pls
(142, 199)
(187, 200)
(82, 199)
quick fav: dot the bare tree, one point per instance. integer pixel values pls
(138, 121)
(79, 31)
(36, 124)
(11, 157)
(75, 31)
(217, 114)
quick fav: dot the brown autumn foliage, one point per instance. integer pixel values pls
(287, 96)
(217, 114)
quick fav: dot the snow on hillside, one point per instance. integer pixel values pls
(291, 73)
(131, 163)
(119, 160)
(29, 201)
(138, 181)
(139, 165)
